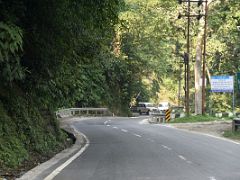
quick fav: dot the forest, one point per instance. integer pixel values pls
(102, 53)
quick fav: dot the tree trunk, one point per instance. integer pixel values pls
(198, 69)
(198, 75)
(198, 63)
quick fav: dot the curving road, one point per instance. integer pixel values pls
(124, 149)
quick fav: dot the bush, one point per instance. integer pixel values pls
(25, 129)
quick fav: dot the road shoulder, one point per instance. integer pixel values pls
(213, 129)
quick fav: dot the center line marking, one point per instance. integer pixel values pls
(115, 127)
(137, 135)
(181, 157)
(212, 178)
(108, 125)
(168, 148)
(124, 130)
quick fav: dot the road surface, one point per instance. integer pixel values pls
(124, 149)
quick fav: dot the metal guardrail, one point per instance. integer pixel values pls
(71, 112)
(164, 116)
(157, 117)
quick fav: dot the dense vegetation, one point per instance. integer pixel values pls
(52, 55)
(156, 37)
(98, 53)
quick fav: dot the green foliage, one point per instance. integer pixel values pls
(10, 51)
(47, 63)
(224, 45)
(25, 129)
(221, 102)
(232, 135)
(148, 37)
(12, 152)
(192, 119)
(97, 53)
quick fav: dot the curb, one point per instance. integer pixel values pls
(37, 173)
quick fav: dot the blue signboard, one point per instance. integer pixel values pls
(222, 83)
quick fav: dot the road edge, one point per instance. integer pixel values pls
(203, 134)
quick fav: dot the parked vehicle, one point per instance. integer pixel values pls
(143, 108)
(162, 106)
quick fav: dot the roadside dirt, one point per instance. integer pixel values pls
(215, 128)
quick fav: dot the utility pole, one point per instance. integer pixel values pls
(188, 58)
(187, 55)
(179, 85)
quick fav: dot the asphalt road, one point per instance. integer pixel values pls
(123, 149)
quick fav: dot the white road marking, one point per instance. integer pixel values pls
(165, 125)
(212, 178)
(203, 134)
(124, 130)
(137, 135)
(115, 127)
(181, 157)
(61, 167)
(134, 117)
(144, 121)
(107, 122)
(108, 125)
(221, 138)
(168, 148)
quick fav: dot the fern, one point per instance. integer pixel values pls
(10, 51)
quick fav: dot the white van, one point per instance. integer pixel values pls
(163, 106)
